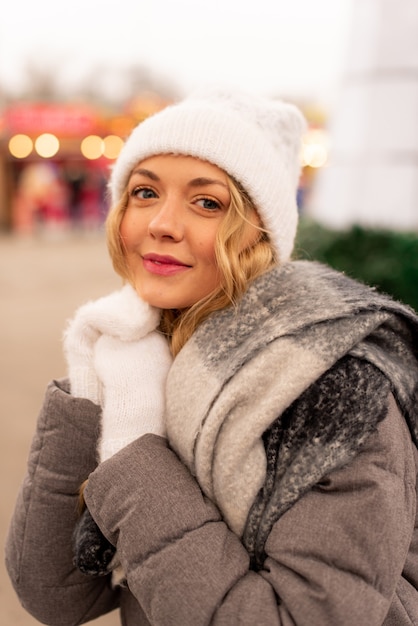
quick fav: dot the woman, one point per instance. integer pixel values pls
(285, 490)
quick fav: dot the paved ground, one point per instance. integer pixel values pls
(42, 281)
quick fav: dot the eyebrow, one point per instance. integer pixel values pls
(201, 181)
(146, 173)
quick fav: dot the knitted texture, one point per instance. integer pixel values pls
(117, 359)
(244, 367)
(133, 375)
(255, 140)
(321, 431)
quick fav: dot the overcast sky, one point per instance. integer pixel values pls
(285, 47)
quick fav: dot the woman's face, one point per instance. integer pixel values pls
(175, 207)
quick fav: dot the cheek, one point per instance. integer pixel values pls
(129, 229)
(206, 252)
(210, 276)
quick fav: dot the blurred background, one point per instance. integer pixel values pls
(75, 78)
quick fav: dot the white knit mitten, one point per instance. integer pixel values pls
(117, 359)
(120, 314)
(132, 376)
(79, 339)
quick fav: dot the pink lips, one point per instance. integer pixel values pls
(163, 265)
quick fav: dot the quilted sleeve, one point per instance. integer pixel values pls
(334, 558)
(38, 546)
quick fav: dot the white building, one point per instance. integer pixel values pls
(372, 174)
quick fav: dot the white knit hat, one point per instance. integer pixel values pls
(255, 140)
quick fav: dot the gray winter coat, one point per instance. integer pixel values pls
(340, 551)
(334, 558)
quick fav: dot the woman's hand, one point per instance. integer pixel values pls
(132, 375)
(121, 314)
(93, 553)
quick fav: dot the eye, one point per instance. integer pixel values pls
(209, 204)
(143, 193)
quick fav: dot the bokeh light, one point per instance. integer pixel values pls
(47, 145)
(20, 146)
(315, 148)
(112, 146)
(92, 147)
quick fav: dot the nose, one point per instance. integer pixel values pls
(167, 222)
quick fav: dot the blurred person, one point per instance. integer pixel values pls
(92, 201)
(279, 486)
(40, 199)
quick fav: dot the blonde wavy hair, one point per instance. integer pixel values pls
(238, 268)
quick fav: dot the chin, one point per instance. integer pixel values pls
(163, 300)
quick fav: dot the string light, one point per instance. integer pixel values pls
(47, 145)
(20, 146)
